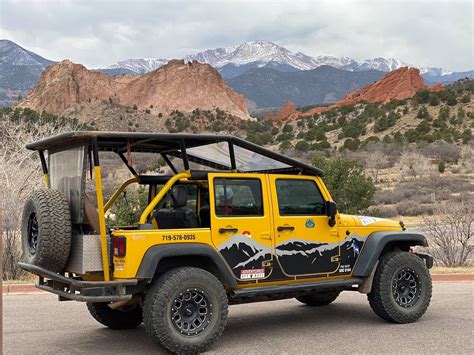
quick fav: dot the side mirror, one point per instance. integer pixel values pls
(331, 210)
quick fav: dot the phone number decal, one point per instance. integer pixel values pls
(175, 237)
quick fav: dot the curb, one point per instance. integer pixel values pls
(452, 277)
(20, 288)
(30, 288)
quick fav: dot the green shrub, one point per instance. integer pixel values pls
(434, 100)
(422, 112)
(422, 97)
(346, 181)
(441, 166)
(466, 136)
(286, 144)
(302, 146)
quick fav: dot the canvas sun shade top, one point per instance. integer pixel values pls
(214, 151)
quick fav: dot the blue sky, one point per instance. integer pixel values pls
(101, 32)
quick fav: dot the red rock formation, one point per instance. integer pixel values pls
(399, 84)
(286, 111)
(175, 86)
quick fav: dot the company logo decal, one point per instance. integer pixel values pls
(252, 274)
(310, 223)
(247, 234)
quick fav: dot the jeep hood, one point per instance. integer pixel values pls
(367, 221)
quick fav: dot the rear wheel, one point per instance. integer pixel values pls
(316, 299)
(401, 290)
(126, 317)
(185, 310)
(46, 230)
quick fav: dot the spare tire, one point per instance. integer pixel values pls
(46, 230)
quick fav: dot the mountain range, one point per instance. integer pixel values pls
(235, 60)
(266, 74)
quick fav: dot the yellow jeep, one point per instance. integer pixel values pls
(250, 225)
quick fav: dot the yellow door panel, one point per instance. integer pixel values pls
(305, 244)
(241, 223)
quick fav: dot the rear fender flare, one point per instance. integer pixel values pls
(156, 253)
(375, 244)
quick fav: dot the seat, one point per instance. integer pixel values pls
(205, 216)
(178, 216)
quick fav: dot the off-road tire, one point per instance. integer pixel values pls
(160, 300)
(128, 317)
(316, 299)
(381, 298)
(48, 209)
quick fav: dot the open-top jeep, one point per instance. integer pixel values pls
(251, 225)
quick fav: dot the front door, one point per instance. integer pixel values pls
(305, 244)
(241, 223)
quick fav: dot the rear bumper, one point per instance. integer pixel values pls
(68, 288)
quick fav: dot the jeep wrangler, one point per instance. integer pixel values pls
(251, 225)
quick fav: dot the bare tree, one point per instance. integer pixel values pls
(451, 233)
(413, 164)
(375, 160)
(20, 174)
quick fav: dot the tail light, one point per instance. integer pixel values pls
(120, 246)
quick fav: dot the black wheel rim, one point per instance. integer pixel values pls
(406, 288)
(191, 311)
(33, 232)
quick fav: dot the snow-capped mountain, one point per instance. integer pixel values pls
(261, 52)
(236, 60)
(12, 54)
(19, 71)
(138, 65)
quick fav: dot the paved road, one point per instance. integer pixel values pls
(39, 324)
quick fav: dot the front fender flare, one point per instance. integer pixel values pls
(376, 243)
(156, 253)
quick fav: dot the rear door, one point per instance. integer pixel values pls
(241, 223)
(305, 244)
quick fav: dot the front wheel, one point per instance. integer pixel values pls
(185, 310)
(401, 290)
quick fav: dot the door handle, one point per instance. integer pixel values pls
(227, 230)
(285, 228)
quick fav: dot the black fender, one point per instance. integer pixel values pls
(156, 253)
(375, 244)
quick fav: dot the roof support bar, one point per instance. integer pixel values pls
(100, 207)
(44, 166)
(182, 146)
(169, 162)
(149, 209)
(132, 170)
(232, 156)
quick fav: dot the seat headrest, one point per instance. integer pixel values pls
(180, 194)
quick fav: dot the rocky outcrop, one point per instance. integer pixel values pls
(399, 84)
(175, 86)
(286, 111)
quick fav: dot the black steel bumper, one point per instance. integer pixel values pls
(427, 258)
(68, 288)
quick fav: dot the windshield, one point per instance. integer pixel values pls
(245, 159)
(66, 174)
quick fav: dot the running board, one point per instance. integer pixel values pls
(295, 288)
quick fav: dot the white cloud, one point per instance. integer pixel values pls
(100, 32)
